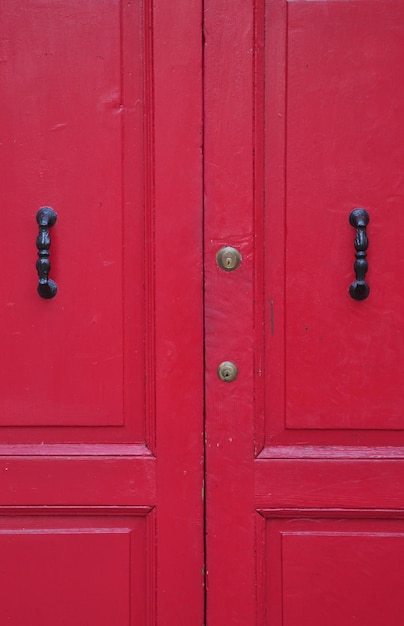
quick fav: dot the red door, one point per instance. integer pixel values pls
(304, 105)
(101, 385)
(101, 397)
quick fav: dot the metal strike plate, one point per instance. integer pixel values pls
(228, 259)
(227, 371)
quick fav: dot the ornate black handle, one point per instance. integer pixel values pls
(46, 218)
(359, 219)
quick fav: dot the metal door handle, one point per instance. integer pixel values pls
(359, 289)
(46, 218)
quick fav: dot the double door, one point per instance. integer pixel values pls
(203, 162)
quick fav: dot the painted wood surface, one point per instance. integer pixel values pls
(101, 511)
(101, 459)
(303, 123)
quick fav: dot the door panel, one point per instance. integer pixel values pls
(334, 572)
(304, 449)
(77, 572)
(336, 364)
(101, 453)
(74, 149)
(54, 153)
(344, 149)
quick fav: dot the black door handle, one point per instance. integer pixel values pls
(359, 289)
(46, 218)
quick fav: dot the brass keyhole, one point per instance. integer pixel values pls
(228, 259)
(227, 371)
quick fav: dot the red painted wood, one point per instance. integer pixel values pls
(53, 153)
(303, 123)
(342, 362)
(114, 480)
(360, 564)
(178, 312)
(336, 483)
(345, 85)
(101, 399)
(339, 571)
(101, 394)
(229, 325)
(53, 571)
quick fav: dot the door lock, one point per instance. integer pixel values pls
(228, 259)
(227, 371)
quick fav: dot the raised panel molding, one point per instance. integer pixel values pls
(329, 483)
(78, 480)
(89, 154)
(78, 566)
(315, 570)
(336, 379)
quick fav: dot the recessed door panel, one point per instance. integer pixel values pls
(333, 571)
(344, 150)
(86, 570)
(72, 138)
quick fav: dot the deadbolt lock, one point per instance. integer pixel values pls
(228, 259)
(227, 371)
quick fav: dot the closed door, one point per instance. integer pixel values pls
(305, 447)
(269, 122)
(101, 384)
